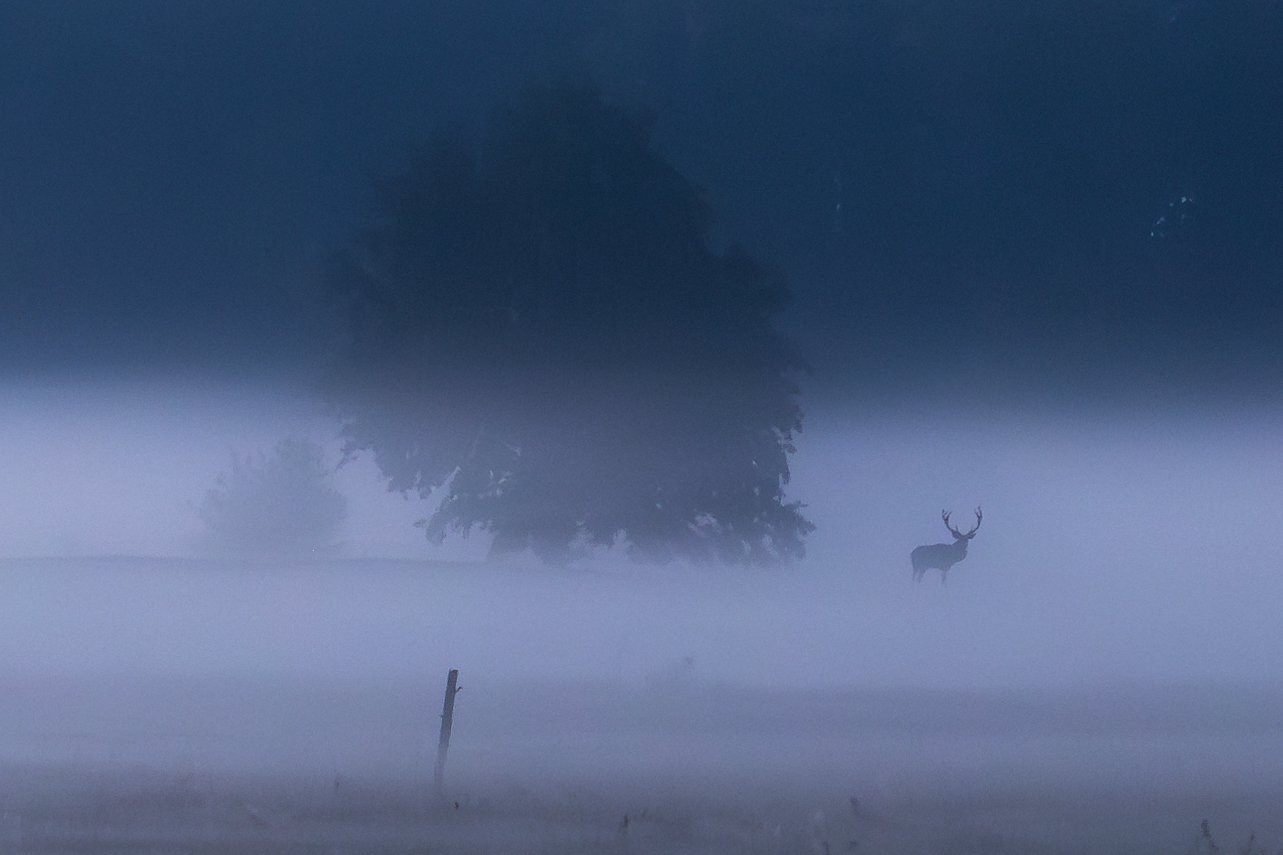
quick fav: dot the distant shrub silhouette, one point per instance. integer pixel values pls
(278, 504)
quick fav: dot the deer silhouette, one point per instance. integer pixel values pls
(942, 556)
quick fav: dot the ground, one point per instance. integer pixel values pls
(70, 810)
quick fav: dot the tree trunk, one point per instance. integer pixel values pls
(447, 719)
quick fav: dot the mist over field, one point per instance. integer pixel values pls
(1113, 548)
(1105, 678)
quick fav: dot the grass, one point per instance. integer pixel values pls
(70, 810)
(249, 766)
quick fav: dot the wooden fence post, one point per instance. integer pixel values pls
(447, 719)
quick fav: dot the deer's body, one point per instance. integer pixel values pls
(942, 556)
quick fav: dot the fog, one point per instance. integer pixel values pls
(1116, 548)
(1111, 634)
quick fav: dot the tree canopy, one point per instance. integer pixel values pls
(539, 327)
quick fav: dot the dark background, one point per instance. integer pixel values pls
(966, 196)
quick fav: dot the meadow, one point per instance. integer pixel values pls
(158, 706)
(662, 767)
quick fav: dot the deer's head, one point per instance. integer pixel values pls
(958, 535)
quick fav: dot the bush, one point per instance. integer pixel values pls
(279, 504)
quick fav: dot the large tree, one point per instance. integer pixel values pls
(539, 328)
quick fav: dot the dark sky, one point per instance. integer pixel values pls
(961, 193)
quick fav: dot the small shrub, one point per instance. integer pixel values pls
(284, 503)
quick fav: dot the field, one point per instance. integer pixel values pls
(664, 767)
(188, 707)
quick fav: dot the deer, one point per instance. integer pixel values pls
(942, 556)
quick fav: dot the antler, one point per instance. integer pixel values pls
(944, 515)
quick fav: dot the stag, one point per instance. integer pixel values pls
(942, 556)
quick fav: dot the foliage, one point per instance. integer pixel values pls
(282, 504)
(542, 330)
